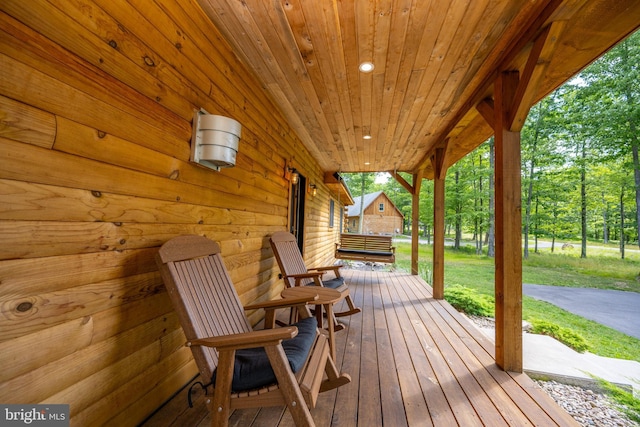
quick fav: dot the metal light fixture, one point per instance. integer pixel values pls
(313, 189)
(366, 67)
(293, 175)
(214, 140)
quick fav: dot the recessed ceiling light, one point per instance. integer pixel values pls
(366, 137)
(367, 163)
(366, 67)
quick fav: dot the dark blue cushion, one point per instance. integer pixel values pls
(252, 368)
(331, 283)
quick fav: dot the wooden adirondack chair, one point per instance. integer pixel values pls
(272, 367)
(296, 273)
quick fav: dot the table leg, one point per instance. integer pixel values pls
(331, 327)
(318, 313)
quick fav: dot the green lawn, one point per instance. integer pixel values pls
(565, 268)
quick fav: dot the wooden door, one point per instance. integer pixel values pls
(296, 211)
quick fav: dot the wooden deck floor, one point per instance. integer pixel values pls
(414, 361)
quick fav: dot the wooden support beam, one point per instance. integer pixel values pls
(538, 62)
(508, 232)
(414, 190)
(485, 108)
(402, 181)
(437, 284)
(539, 58)
(440, 155)
(415, 220)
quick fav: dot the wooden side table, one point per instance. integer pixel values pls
(326, 298)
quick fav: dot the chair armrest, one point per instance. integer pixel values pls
(281, 303)
(315, 275)
(270, 307)
(307, 275)
(334, 268)
(262, 338)
(327, 268)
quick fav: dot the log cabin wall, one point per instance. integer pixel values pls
(96, 103)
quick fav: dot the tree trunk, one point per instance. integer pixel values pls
(622, 223)
(491, 251)
(605, 225)
(535, 230)
(583, 200)
(458, 224)
(554, 226)
(532, 167)
(479, 200)
(627, 66)
(636, 174)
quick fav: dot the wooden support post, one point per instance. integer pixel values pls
(513, 96)
(415, 220)
(438, 224)
(508, 223)
(415, 213)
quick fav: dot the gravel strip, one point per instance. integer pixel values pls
(587, 407)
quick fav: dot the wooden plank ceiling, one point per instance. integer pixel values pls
(435, 60)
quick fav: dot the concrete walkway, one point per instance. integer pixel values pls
(548, 359)
(544, 357)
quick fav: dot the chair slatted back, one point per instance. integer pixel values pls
(202, 294)
(290, 261)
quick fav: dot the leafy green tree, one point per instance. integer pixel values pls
(400, 197)
(481, 175)
(491, 208)
(614, 82)
(555, 213)
(360, 184)
(426, 209)
(579, 142)
(614, 182)
(458, 196)
(537, 155)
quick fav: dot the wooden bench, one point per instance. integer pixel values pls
(366, 247)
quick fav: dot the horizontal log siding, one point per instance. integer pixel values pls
(96, 103)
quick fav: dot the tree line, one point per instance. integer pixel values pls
(580, 166)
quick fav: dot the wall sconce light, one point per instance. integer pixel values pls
(214, 140)
(313, 190)
(293, 174)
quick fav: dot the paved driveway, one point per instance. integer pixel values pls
(617, 309)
